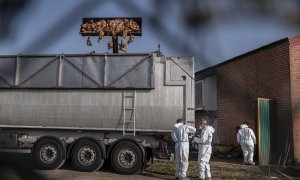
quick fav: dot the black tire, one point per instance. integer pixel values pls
(48, 154)
(126, 158)
(87, 156)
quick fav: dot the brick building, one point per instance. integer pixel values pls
(228, 95)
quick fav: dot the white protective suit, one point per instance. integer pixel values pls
(181, 138)
(204, 141)
(246, 138)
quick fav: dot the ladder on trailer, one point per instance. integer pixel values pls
(129, 100)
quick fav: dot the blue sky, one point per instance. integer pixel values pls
(52, 27)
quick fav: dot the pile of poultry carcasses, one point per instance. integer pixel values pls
(112, 27)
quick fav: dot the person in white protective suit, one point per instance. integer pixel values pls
(180, 136)
(246, 138)
(204, 149)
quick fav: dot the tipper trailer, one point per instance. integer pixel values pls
(93, 108)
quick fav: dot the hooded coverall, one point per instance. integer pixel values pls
(204, 140)
(246, 138)
(180, 137)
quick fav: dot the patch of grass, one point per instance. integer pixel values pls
(164, 167)
(220, 169)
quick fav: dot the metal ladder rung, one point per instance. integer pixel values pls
(128, 108)
(129, 120)
(132, 134)
(129, 96)
(126, 122)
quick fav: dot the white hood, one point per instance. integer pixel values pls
(243, 126)
(178, 124)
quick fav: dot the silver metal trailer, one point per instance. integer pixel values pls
(92, 108)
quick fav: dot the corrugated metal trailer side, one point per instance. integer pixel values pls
(103, 97)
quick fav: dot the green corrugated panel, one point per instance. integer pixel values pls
(264, 108)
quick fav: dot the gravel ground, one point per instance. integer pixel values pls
(20, 167)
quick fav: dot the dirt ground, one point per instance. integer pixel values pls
(20, 167)
(229, 169)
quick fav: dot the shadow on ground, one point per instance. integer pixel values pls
(18, 166)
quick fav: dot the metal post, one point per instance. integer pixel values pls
(115, 44)
(18, 64)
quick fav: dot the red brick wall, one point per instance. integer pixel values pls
(295, 94)
(263, 73)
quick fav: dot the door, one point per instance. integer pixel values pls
(264, 113)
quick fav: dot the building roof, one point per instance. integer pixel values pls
(210, 71)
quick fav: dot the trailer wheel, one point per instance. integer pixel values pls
(126, 158)
(48, 154)
(87, 156)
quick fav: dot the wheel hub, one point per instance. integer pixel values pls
(127, 158)
(48, 154)
(86, 155)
